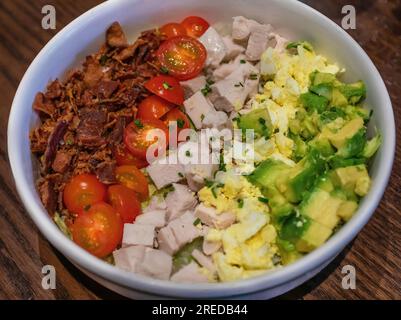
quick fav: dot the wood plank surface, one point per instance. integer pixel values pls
(375, 253)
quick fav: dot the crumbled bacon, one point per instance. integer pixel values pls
(83, 118)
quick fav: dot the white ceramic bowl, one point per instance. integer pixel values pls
(85, 34)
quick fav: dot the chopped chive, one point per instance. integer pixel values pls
(206, 89)
(197, 221)
(253, 76)
(242, 61)
(103, 60)
(208, 183)
(138, 123)
(167, 86)
(263, 199)
(222, 165)
(240, 203)
(239, 84)
(209, 82)
(188, 153)
(180, 123)
(164, 70)
(214, 193)
(180, 175)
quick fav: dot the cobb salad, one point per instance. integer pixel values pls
(200, 155)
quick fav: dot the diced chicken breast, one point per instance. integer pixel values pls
(156, 264)
(180, 200)
(155, 218)
(203, 260)
(258, 40)
(209, 247)
(214, 44)
(163, 173)
(197, 107)
(230, 93)
(209, 217)
(280, 42)
(226, 69)
(232, 49)
(189, 274)
(128, 258)
(183, 229)
(155, 203)
(197, 173)
(138, 234)
(217, 119)
(193, 85)
(242, 27)
(167, 241)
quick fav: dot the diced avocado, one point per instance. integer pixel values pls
(323, 145)
(347, 209)
(372, 146)
(354, 92)
(302, 177)
(317, 78)
(339, 138)
(294, 227)
(354, 145)
(267, 172)
(331, 114)
(322, 207)
(258, 120)
(288, 257)
(304, 232)
(352, 179)
(313, 237)
(340, 162)
(322, 89)
(337, 98)
(357, 111)
(300, 147)
(313, 102)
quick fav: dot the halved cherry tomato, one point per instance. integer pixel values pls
(133, 178)
(173, 29)
(166, 87)
(178, 116)
(83, 191)
(125, 201)
(124, 157)
(183, 57)
(153, 107)
(135, 136)
(195, 26)
(99, 230)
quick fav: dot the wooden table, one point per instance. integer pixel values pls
(375, 253)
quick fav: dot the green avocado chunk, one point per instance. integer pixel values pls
(299, 179)
(258, 120)
(354, 92)
(313, 102)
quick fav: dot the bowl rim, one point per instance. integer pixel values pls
(136, 282)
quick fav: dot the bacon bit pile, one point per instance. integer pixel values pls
(83, 118)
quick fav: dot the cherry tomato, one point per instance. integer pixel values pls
(183, 57)
(135, 136)
(153, 107)
(173, 29)
(166, 87)
(99, 230)
(125, 201)
(133, 178)
(178, 116)
(195, 26)
(83, 191)
(124, 157)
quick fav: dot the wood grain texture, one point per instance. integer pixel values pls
(375, 253)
